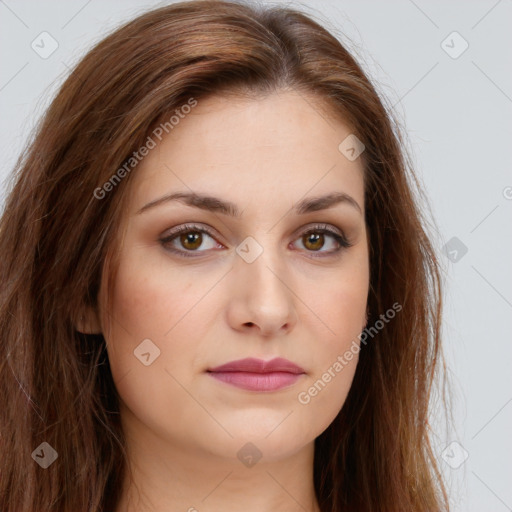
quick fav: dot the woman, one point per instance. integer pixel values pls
(217, 288)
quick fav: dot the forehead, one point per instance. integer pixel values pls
(274, 148)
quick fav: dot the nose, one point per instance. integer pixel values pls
(261, 299)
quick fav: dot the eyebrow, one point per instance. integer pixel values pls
(216, 205)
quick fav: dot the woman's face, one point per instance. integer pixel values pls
(253, 284)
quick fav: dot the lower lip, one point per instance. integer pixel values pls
(257, 381)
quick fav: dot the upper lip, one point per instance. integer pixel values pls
(253, 365)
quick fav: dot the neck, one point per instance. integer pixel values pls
(162, 476)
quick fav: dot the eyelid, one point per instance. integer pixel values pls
(318, 226)
(184, 228)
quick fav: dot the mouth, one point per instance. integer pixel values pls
(258, 375)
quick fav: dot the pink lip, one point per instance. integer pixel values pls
(258, 375)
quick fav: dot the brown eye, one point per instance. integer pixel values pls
(323, 240)
(191, 240)
(313, 241)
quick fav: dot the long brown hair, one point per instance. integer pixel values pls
(57, 238)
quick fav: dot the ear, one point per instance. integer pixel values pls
(88, 321)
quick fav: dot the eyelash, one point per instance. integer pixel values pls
(192, 228)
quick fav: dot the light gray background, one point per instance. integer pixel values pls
(457, 112)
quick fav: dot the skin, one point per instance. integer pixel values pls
(183, 427)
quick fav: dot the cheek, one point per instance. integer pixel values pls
(341, 305)
(334, 363)
(155, 301)
(148, 324)
(320, 400)
(151, 297)
(143, 307)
